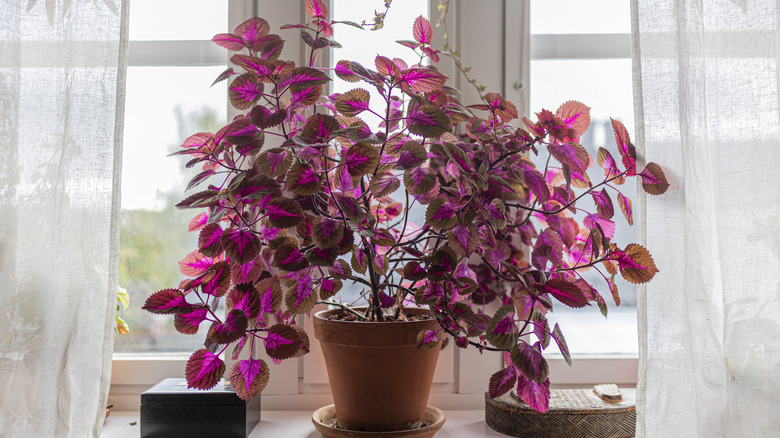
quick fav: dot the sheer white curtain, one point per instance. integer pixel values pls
(706, 87)
(62, 69)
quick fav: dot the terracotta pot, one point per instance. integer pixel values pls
(380, 380)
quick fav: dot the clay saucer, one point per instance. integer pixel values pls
(324, 421)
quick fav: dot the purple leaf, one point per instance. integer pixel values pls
(252, 32)
(222, 76)
(188, 322)
(319, 129)
(360, 159)
(302, 180)
(274, 162)
(263, 118)
(249, 377)
(608, 163)
(529, 360)
(282, 341)
(329, 287)
(244, 91)
(557, 334)
(626, 149)
(441, 213)
(567, 293)
(385, 66)
(284, 213)
(320, 256)
(341, 269)
(302, 95)
(413, 271)
(166, 302)
(419, 180)
(501, 331)
(536, 396)
(605, 225)
(427, 121)
(624, 202)
(270, 293)
(653, 179)
(289, 258)
(217, 279)
(210, 240)
(241, 245)
(572, 154)
(385, 300)
(229, 41)
(316, 9)
(253, 64)
(636, 264)
(353, 102)
(422, 80)
(537, 184)
(204, 369)
(427, 339)
(502, 381)
(194, 264)
(576, 116)
(326, 232)
(383, 184)
(344, 72)
(304, 77)
(422, 30)
(244, 297)
(412, 154)
(230, 330)
(603, 203)
(463, 240)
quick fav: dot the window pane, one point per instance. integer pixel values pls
(363, 46)
(606, 87)
(164, 105)
(177, 19)
(578, 16)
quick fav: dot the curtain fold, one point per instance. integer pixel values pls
(706, 76)
(62, 69)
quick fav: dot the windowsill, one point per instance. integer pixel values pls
(297, 424)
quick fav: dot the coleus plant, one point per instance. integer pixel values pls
(304, 195)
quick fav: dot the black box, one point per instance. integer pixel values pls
(171, 410)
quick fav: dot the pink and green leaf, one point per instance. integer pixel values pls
(501, 331)
(566, 292)
(422, 30)
(653, 179)
(241, 245)
(188, 322)
(427, 339)
(502, 381)
(204, 369)
(537, 396)
(284, 213)
(249, 377)
(231, 329)
(166, 302)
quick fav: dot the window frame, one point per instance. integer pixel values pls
(463, 375)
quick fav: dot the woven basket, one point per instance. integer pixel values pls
(573, 413)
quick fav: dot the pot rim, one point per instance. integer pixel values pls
(418, 310)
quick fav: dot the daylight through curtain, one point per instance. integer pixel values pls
(62, 70)
(706, 91)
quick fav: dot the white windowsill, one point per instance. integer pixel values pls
(297, 424)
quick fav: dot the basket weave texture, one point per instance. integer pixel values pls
(573, 413)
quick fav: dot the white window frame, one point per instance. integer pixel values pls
(462, 375)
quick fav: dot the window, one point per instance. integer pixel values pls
(581, 51)
(168, 98)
